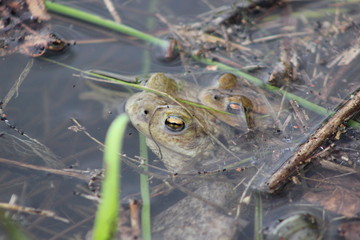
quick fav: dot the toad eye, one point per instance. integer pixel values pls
(234, 108)
(174, 123)
(216, 97)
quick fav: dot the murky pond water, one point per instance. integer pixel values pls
(307, 49)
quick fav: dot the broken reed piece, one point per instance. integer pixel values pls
(304, 152)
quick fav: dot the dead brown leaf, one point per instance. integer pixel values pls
(350, 230)
(37, 9)
(335, 193)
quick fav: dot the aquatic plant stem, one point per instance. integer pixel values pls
(104, 78)
(68, 11)
(258, 219)
(91, 18)
(10, 229)
(107, 214)
(145, 192)
(144, 179)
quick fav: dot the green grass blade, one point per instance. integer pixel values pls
(258, 219)
(107, 214)
(91, 18)
(145, 193)
(10, 229)
(144, 179)
(133, 85)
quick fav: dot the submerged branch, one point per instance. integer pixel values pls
(301, 156)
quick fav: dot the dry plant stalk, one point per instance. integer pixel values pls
(15, 88)
(110, 6)
(45, 169)
(34, 211)
(134, 218)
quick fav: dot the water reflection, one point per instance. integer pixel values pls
(298, 51)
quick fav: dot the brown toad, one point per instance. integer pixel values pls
(182, 135)
(249, 109)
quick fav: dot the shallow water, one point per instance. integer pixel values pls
(49, 98)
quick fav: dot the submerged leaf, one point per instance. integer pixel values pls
(335, 193)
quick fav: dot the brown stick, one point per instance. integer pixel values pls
(304, 151)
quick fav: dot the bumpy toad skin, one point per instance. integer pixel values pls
(181, 135)
(229, 95)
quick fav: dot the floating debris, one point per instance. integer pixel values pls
(25, 28)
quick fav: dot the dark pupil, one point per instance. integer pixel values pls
(174, 123)
(234, 108)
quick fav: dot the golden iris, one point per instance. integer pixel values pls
(174, 123)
